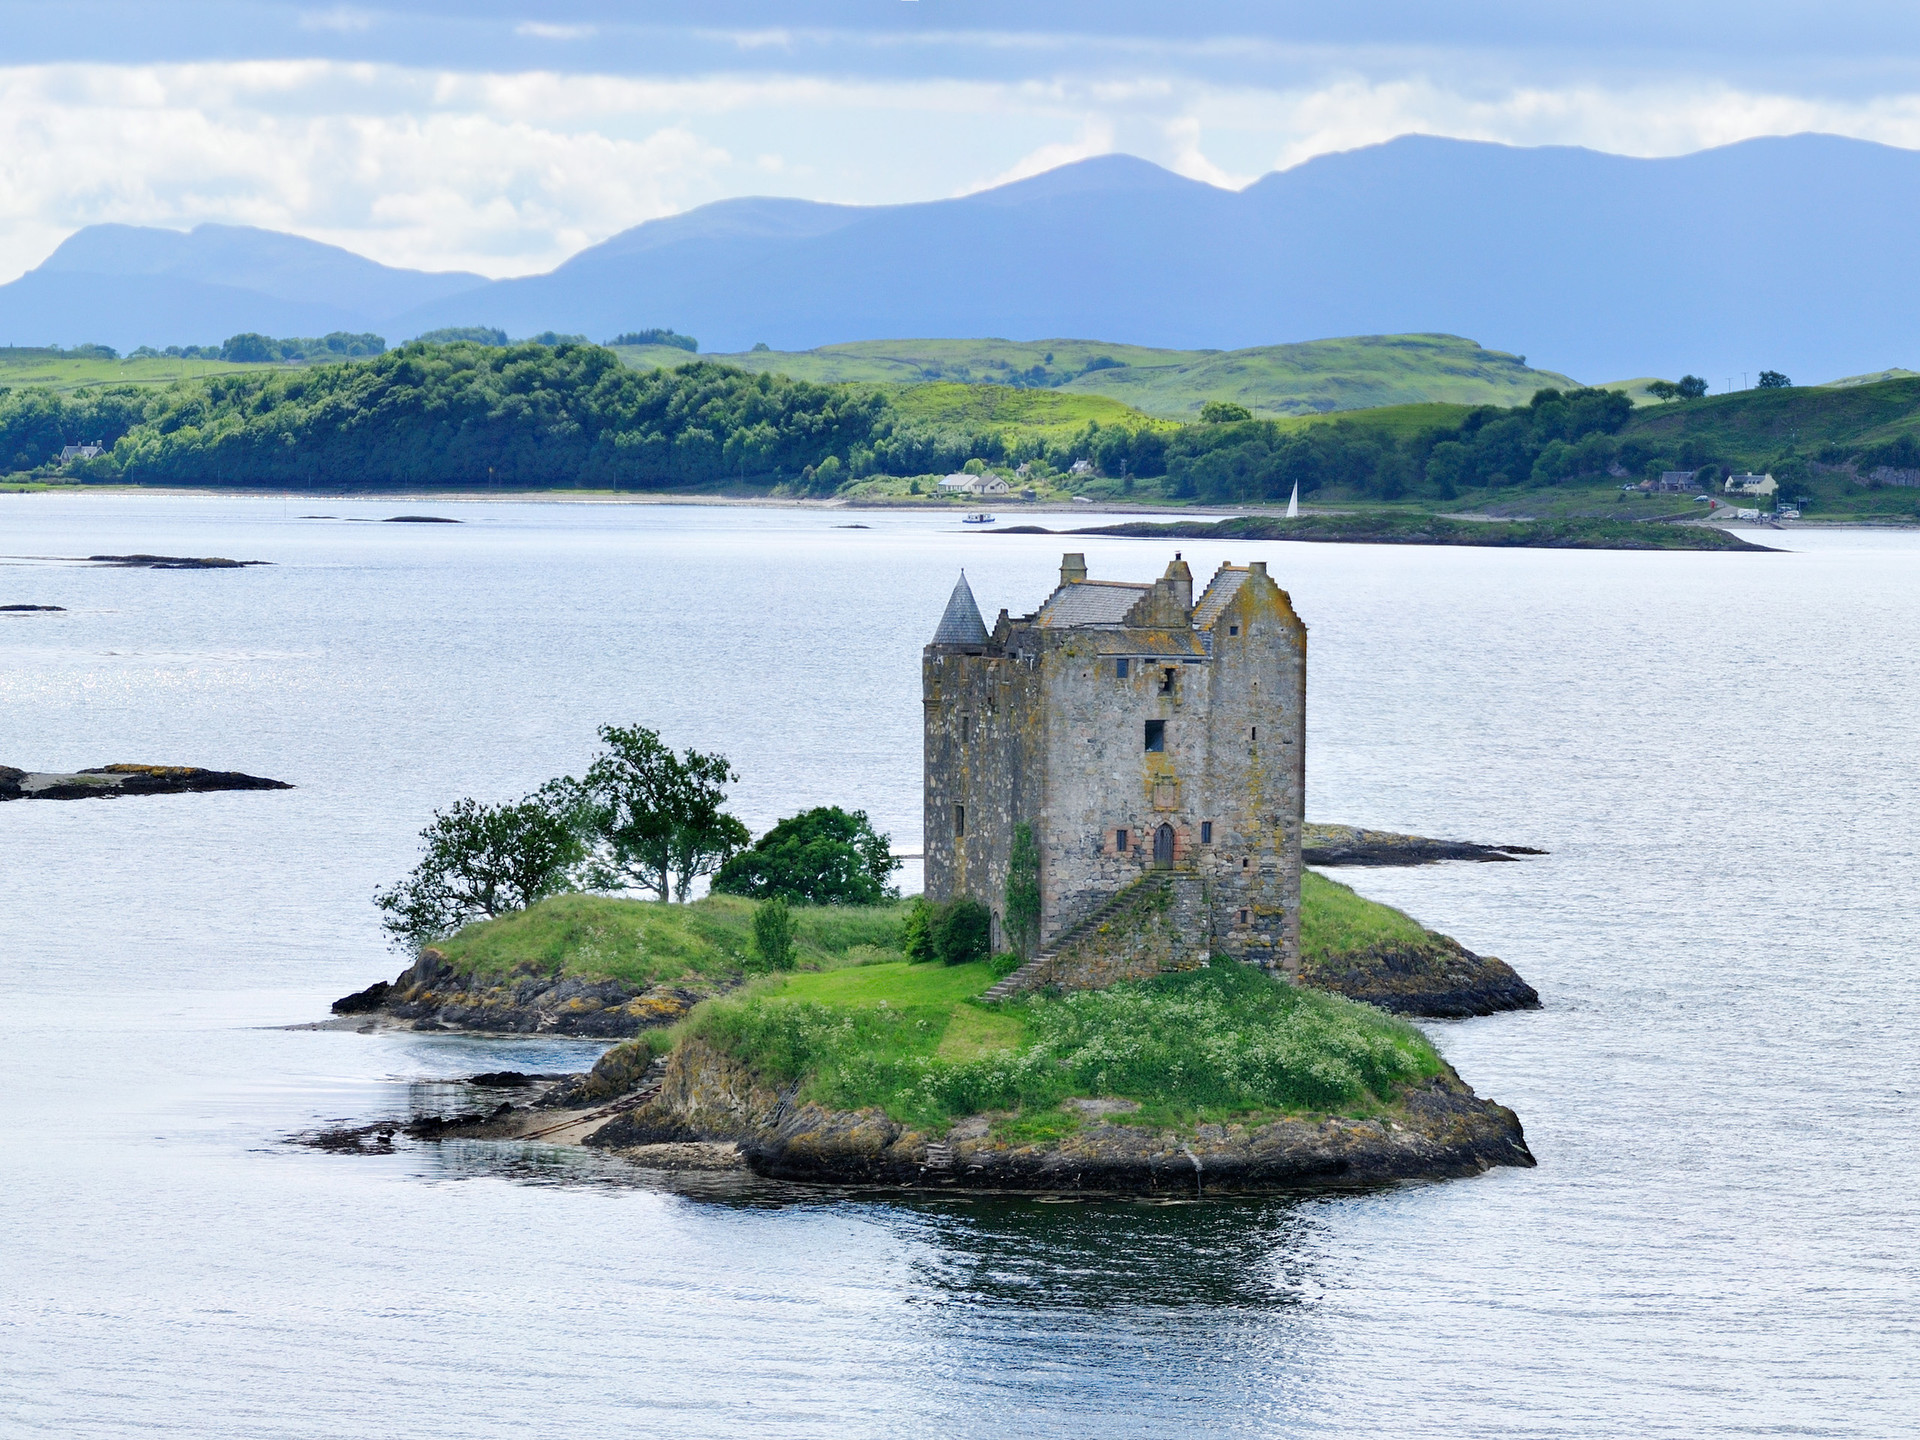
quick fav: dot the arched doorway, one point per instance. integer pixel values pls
(1163, 847)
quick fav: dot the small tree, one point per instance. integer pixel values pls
(961, 929)
(916, 931)
(824, 856)
(773, 934)
(1223, 412)
(1663, 390)
(1023, 891)
(1774, 380)
(482, 861)
(1691, 387)
(655, 818)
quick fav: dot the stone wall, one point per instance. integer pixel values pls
(1157, 924)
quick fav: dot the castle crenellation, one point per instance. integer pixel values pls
(1143, 734)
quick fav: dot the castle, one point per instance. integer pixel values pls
(1157, 749)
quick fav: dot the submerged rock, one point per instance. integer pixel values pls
(1437, 1130)
(174, 562)
(1439, 978)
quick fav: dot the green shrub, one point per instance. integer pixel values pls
(962, 929)
(1023, 890)
(773, 934)
(916, 931)
(1005, 963)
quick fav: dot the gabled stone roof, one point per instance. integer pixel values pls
(1220, 591)
(961, 625)
(1089, 602)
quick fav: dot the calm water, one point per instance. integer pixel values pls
(1720, 1238)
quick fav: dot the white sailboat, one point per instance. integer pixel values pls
(1293, 502)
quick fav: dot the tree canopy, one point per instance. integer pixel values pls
(823, 856)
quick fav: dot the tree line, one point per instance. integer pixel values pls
(640, 818)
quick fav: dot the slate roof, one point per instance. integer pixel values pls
(1220, 591)
(961, 625)
(1090, 602)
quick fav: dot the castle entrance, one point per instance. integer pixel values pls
(1163, 847)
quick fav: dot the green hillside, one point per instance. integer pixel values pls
(1314, 377)
(65, 372)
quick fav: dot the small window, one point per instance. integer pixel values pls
(1255, 732)
(966, 729)
(1120, 841)
(1167, 681)
(1206, 832)
(1120, 668)
(1244, 863)
(959, 821)
(1233, 629)
(1156, 736)
(1243, 917)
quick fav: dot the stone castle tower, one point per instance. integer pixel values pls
(1157, 748)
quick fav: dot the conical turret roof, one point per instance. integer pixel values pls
(961, 625)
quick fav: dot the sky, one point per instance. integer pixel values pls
(502, 137)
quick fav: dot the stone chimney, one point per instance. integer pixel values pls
(1179, 580)
(1073, 568)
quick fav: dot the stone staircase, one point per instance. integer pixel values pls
(1039, 970)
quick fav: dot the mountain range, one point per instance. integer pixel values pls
(1779, 253)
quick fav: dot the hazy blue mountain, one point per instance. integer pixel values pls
(128, 285)
(1777, 253)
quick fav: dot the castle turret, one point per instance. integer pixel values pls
(961, 625)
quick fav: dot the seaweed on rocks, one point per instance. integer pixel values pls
(1439, 979)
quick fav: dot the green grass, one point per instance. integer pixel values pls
(22, 368)
(1226, 1041)
(1334, 920)
(1050, 414)
(1313, 377)
(599, 937)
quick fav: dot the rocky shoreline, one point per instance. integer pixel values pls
(1330, 846)
(700, 1110)
(106, 782)
(1439, 979)
(431, 995)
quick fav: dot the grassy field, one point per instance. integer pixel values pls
(23, 368)
(1228, 1041)
(1051, 414)
(642, 943)
(1313, 377)
(857, 1025)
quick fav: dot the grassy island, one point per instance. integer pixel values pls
(855, 1025)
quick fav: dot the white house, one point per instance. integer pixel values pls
(963, 484)
(1751, 484)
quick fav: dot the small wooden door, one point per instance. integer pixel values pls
(1163, 847)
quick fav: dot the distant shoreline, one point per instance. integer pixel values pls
(836, 504)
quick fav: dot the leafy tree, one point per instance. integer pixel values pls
(482, 861)
(477, 334)
(653, 818)
(960, 930)
(1663, 390)
(773, 934)
(1023, 891)
(1223, 412)
(824, 856)
(1690, 387)
(1774, 380)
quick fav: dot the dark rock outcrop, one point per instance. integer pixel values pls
(106, 782)
(16, 609)
(1439, 978)
(1438, 1130)
(1333, 845)
(174, 562)
(433, 995)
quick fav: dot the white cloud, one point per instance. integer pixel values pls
(341, 20)
(509, 172)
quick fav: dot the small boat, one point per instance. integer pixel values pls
(980, 517)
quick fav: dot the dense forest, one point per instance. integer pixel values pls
(557, 412)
